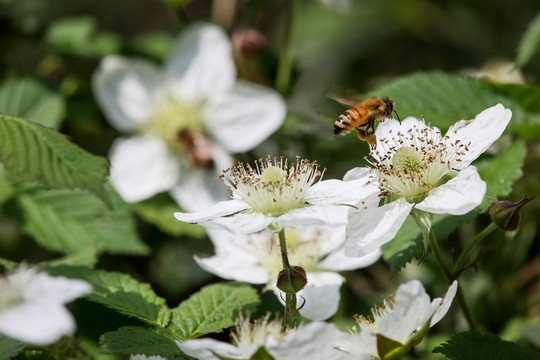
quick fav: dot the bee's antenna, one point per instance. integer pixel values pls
(395, 112)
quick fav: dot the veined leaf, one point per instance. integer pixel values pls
(120, 292)
(29, 99)
(211, 310)
(140, 340)
(38, 154)
(71, 221)
(9, 347)
(529, 43)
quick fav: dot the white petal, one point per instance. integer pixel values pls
(123, 88)
(40, 323)
(244, 115)
(458, 196)
(445, 305)
(141, 167)
(341, 192)
(204, 349)
(242, 223)
(201, 63)
(315, 215)
(481, 132)
(338, 261)
(57, 289)
(358, 346)
(222, 208)
(369, 229)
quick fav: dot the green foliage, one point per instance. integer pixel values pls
(159, 210)
(120, 292)
(472, 345)
(211, 309)
(71, 221)
(6, 189)
(140, 340)
(29, 99)
(9, 347)
(85, 257)
(38, 154)
(529, 43)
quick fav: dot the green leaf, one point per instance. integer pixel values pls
(159, 210)
(9, 347)
(472, 345)
(120, 292)
(38, 154)
(71, 221)
(140, 340)
(211, 309)
(529, 43)
(6, 188)
(29, 99)
(406, 245)
(86, 257)
(8, 264)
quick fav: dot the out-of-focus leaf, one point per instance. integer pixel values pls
(211, 309)
(6, 189)
(140, 340)
(9, 347)
(159, 210)
(38, 154)
(472, 345)
(120, 292)
(527, 95)
(85, 257)
(406, 245)
(156, 45)
(71, 221)
(8, 264)
(29, 99)
(529, 43)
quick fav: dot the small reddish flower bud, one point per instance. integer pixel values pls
(505, 214)
(292, 281)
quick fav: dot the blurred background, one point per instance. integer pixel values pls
(54, 46)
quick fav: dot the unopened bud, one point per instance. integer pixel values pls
(248, 41)
(292, 280)
(505, 214)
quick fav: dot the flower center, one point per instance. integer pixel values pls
(272, 187)
(249, 334)
(407, 159)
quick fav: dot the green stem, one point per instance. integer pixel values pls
(290, 299)
(283, 77)
(458, 266)
(449, 277)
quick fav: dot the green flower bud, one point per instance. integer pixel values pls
(292, 280)
(505, 214)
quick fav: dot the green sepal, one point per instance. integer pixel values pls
(389, 349)
(423, 221)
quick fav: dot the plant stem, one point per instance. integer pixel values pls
(290, 299)
(459, 263)
(449, 277)
(283, 77)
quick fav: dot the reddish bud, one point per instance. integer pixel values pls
(292, 280)
(505, 214)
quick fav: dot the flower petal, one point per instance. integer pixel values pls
(336, 192)
(338, 261)
(479, 133)
(222, 208)
(357, 173)
(242, 223)
(330, 215)
(458, 196)
(244, 115)
(201, 63)
(204, 349)
(141, 167)
(446, 303)
(123, 88)
(369, 229)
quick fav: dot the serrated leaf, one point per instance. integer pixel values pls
(70, 221)
(140, 340)
(443, 98)
(159, 210)
(86, 257)
(29, 99)
(472, 345)
(9, 347)
(120, 292)
(38, 154)
(211, 309)
(529, 43)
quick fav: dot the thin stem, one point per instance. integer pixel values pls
(290, 299)
(458, 266)
(449, 277)
(283, 77)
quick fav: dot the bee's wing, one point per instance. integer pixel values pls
(344, 96)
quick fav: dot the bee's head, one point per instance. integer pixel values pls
(390, 107)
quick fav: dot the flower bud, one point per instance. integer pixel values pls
(292, 280)
(505, 214)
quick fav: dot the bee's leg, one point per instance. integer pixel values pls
(371, 139)
(361, 134)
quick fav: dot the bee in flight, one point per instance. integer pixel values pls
(363, 116)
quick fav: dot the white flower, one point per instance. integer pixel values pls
(416, 167)
(277, 193)
(184, 119)
(256, 259)
(144, 357)
(403, 319)
(314, 341)
(32, 305)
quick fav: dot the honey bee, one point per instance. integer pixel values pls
(363, 116)
(198, 147)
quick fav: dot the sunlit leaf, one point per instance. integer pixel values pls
(38, 154)
(140, 340)
(211, 309)
(29, 99)
(529, 43)
(71, 221)
(120, 292)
